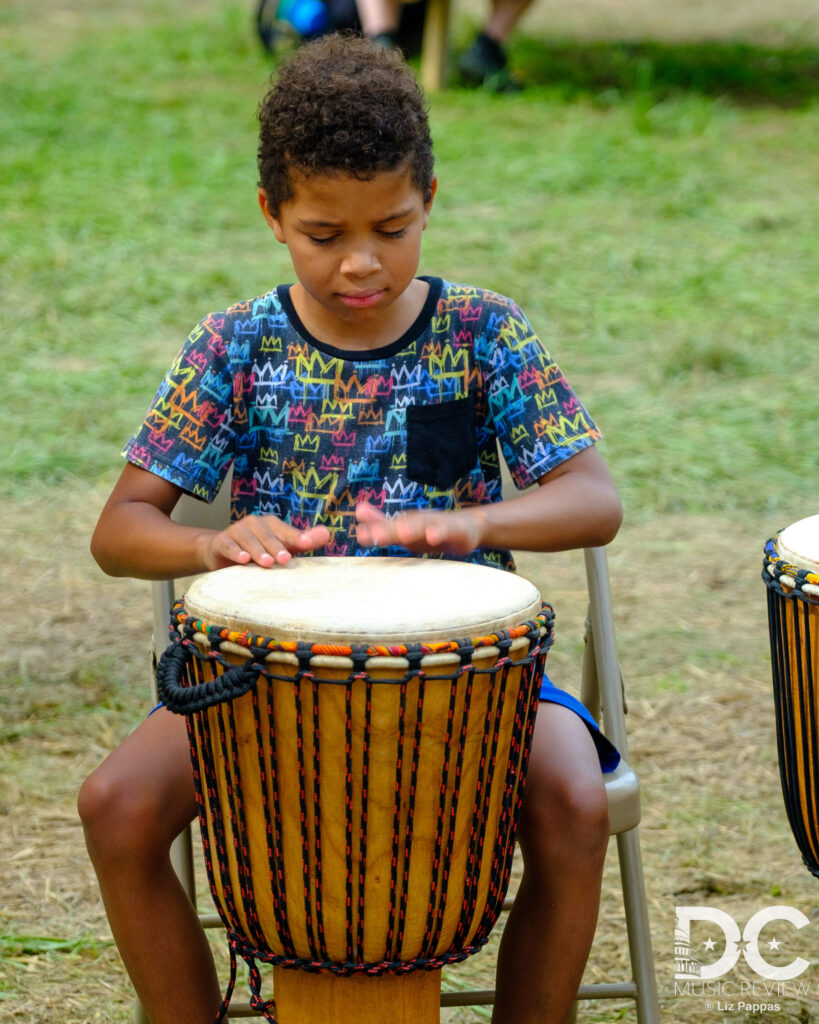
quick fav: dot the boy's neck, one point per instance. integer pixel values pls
(361, 333)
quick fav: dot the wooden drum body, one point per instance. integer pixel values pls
(791, 574)
(359, 735)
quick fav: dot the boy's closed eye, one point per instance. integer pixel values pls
(329, 239)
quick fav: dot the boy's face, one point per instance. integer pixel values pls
(355, 247)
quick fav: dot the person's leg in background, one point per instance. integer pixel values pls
(485, 63)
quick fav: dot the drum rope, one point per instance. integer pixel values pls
(480, 810)
(794, 631)
(273, 821)
(394, 945)
(202, 684)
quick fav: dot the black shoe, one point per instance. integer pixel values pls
(389, 40)
(484, 64)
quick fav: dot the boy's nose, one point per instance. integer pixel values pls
(360, 262)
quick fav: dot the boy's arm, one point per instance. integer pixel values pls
(575, 506)
(135, 535)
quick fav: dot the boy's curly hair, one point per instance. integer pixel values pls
(344, 105)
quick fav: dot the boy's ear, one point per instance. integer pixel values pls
(271, 219)
(433, 188)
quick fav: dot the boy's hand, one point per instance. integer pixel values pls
(265, 540)
(424, 532)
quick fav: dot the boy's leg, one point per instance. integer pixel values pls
(132, 808)
(563, 837)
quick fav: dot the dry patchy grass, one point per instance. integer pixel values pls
(691, 628)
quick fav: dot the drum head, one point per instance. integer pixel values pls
(356, 600)
(799, 544)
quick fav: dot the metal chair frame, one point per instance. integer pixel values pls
(602, 691)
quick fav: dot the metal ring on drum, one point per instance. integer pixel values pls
(359, 729)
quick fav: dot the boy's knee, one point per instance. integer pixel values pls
(566, 815)
(115, 818)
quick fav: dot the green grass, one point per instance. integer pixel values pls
(661, 233)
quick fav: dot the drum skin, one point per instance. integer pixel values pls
(791, 574)
(358, 804)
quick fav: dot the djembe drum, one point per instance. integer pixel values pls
(359, 733)
(791, 574)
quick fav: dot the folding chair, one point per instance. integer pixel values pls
(601, 691)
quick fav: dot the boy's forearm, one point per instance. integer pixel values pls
(573, 509)
(136, 539)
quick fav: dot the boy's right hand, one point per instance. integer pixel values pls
(265, 540)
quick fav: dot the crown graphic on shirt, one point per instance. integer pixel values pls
(530, 377)
(377, 445)
(398, 462)
(180, 374)
(214, 385)
(546, 400)
(185, 464)
(210, 414)
(267, 453)
(239, 349)
(440, 324)
(331, 464)
(216, 343)
(268, 374)
(515, 332)
(396, 491)
(462, 338)
(354, 389)
(141, 454)
(336, 549)
(301, 414)
(192, 435)
(296, 349)
(344, 438)
(197, 359)
(159, 440)
(314, 365)
(377, 498)
(240, 307)
(336, 407)
(555, 428)
(363, 469)
(307, 443)
(469, 313)
(271, 343)
(519, 433)
(450, 361)
(312, 483)
(405, 376)
(246, 487)
(262, 418)
(243, 382)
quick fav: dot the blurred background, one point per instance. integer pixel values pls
(649, 198)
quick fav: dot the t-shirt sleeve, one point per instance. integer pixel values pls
(538, 419)
(187, 434)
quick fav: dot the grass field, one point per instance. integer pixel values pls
(651, 202)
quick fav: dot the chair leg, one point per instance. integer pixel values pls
(639, 934)
(182, 861)
(434, 45)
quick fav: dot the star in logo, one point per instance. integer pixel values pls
(709, 943)
(774, 944)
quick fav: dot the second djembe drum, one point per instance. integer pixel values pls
(791, 574)
(359, 730)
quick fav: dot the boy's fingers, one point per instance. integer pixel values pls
(367, 513)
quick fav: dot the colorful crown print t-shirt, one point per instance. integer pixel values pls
(311, 430)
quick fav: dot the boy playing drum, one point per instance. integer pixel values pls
(361, 409)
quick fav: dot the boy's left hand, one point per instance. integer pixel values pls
(424, 532)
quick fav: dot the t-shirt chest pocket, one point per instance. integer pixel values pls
(441, 443)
